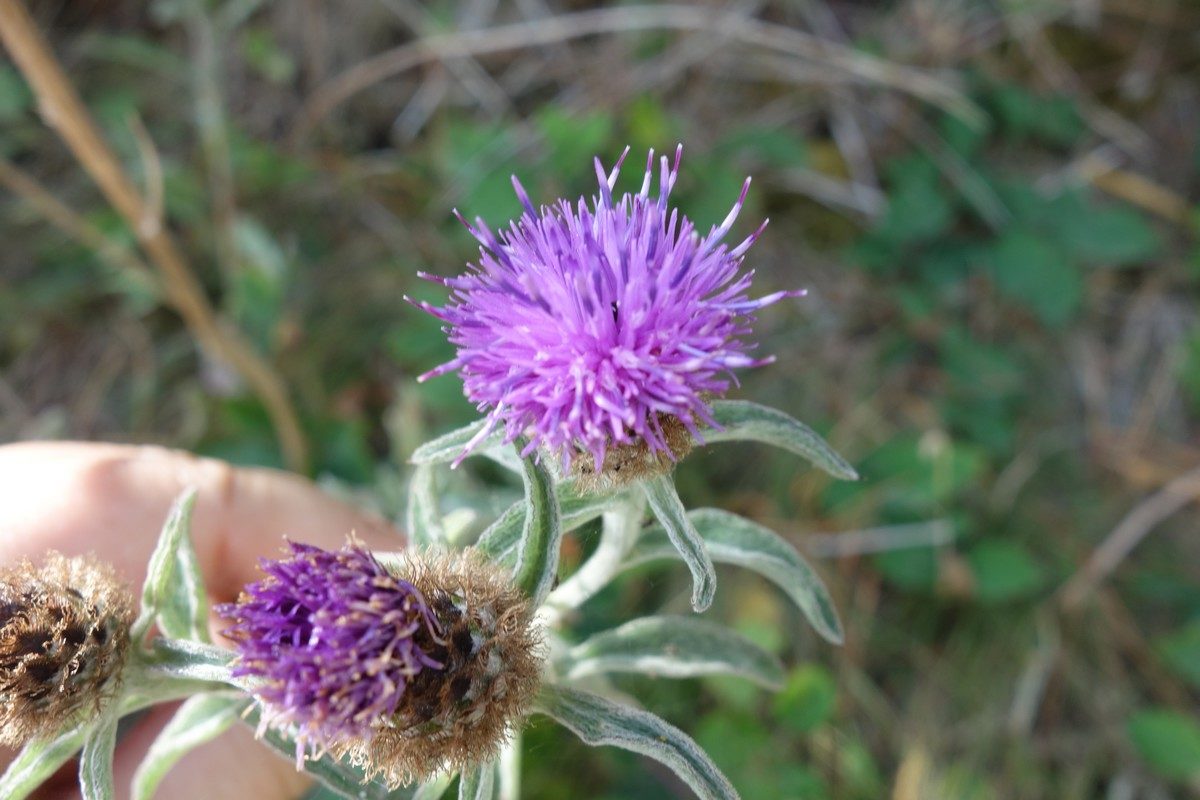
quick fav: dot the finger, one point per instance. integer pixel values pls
(111, 500)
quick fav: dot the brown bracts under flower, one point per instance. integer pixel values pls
(632, 461)
(492, 655)
(64, 639)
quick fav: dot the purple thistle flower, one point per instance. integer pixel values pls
(585, 328)
(331, 640)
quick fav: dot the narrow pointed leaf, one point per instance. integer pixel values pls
(599, 721)
(200, 719)
(736, 540)
(449, 446)
(184, 611)
(96, 761)
(195, 661)
(477, 782)
(541, 537)
(37, 761)
(744, 421)
(422, 516)
(161, 569)
(673, 647)
(499, 542)
(672, 516)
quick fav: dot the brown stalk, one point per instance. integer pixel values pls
(62, 110)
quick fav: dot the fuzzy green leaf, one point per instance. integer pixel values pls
(731, 539)
(96, 761)
(422, 516)
(599, 721)
(673, 647)
(499, 542)
(434, 788)
(200, 719)
(745, 421)
(541, 537)
(184, 612)
(157, 591)
(478, 782)
(194, 661)
(37, 761)
(673, 517)
(449, 446)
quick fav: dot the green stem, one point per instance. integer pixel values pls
(621, 528)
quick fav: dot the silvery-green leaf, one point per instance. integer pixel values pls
(37, 761)
(201, 718)
(161, 569)
(434, 788)
(736, 540)
(673, 647)
(499, 541)
(449, 446)
(599, 721)
(477, 782)
(195, 661)
(745, 421)
(541, 536)
(184, 610)
(96, 761)
(672, 516)
(422, 516)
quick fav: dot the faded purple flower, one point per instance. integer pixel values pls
(585, 328)
(332, 640)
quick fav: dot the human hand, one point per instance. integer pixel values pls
(111, 501)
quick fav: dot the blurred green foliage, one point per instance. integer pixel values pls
(943, 348)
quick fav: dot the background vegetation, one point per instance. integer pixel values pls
(993, 205)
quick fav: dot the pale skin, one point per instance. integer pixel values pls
(111, 500)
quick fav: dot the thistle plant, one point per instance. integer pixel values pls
(598, 340)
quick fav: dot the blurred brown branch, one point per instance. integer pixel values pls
(677, 17)
(62, 109)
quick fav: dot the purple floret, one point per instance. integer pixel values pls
(330, 640)
(579, 327)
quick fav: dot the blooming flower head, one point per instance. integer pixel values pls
(591, 327)
(405, 670)
(332, 641)
(64, 640)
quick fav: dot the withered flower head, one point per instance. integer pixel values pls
(403, 673)
(64, 639)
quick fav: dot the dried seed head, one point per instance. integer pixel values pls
(64, 639)
(626, 463)
(492, 655)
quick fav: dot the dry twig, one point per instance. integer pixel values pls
(676, 17)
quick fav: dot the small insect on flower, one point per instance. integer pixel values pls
(602, 331)
(64, 640)
(405, 673)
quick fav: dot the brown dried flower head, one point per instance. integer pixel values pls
(492, 655)
(64, 638)
(626, 463)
